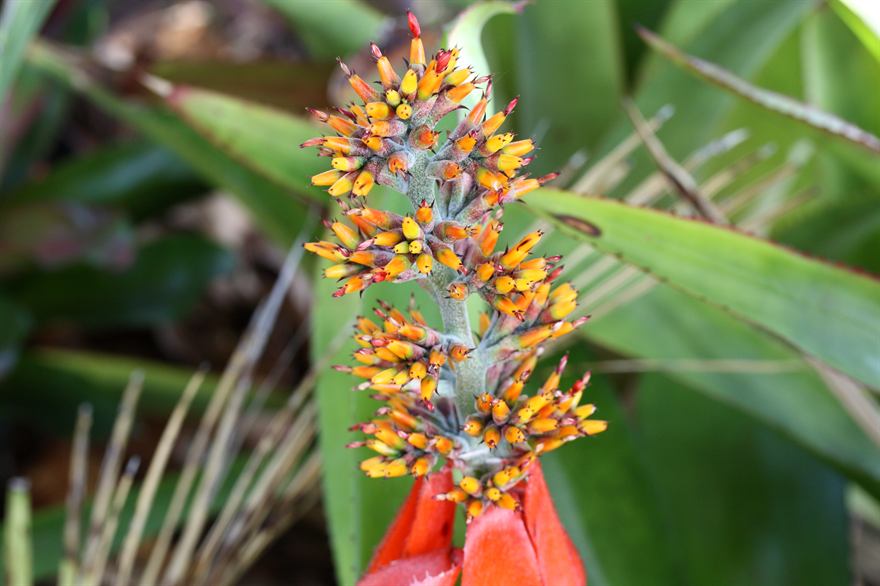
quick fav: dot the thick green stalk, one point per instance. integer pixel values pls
(470, 374)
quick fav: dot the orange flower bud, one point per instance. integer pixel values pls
(448, 258)
(492, 437)
(326, 178)
(470, 485)
(500, 412)
(519, 148)
(411, 229)
(473, 426)
(410, 83)
(378, 110)
(592, 426)
(457, 291)
(403, 111)
(341, 186)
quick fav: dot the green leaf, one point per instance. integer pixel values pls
(601, 490)
(570, 73)
(54, 235)
(739, 36)
(19, 22)
(834, 59)
(332, 29)
(783, 105)
(863, 21)
(16, 324)
(828, 312)
(744, 506)
(278, 213)
(846, 231)
(165, 281)
(261, 138)
(47, 385)
(668, 325)
(288, 86)
(139, 177)
(466, 33)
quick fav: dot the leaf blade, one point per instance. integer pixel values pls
(828, 312)
(19, 22)
(783, 105)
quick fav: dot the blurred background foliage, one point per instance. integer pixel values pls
(151, 182)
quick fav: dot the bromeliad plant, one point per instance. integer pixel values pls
(455, 407)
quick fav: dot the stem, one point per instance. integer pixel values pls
(470, 374)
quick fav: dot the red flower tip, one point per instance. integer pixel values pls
(413, 22)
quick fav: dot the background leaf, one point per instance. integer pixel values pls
(48, 384)
(16, 324)
(273, 208)
(571, 78)
(831, 313)
(261, 138)
(166, 279)
(864, 23)
(466, 33)
(137, 176)
(19, 22)
(602, 493)
(332, 29)
(744, 506)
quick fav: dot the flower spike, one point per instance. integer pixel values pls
(450, 400)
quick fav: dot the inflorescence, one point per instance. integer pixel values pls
(448, 395)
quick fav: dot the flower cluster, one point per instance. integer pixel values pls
(448, 396)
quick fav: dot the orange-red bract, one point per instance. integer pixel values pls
(527, 548)
(417, 548)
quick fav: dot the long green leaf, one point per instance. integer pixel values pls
(165, 281)
(287, 85)
(137, 176)
(784, 105)
(47, 385)
(744, 505)
(273, 207)
(601, 490)
(863, 21)
(829, 312)
(834, 60)
(16, 324)
(846, 231)
(19, 22)
(570, 74)
(332, 29)
(466, 33)
(739, 35)
(261, 138)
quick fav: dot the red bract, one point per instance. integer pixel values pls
(417, 549)
(523, 548)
